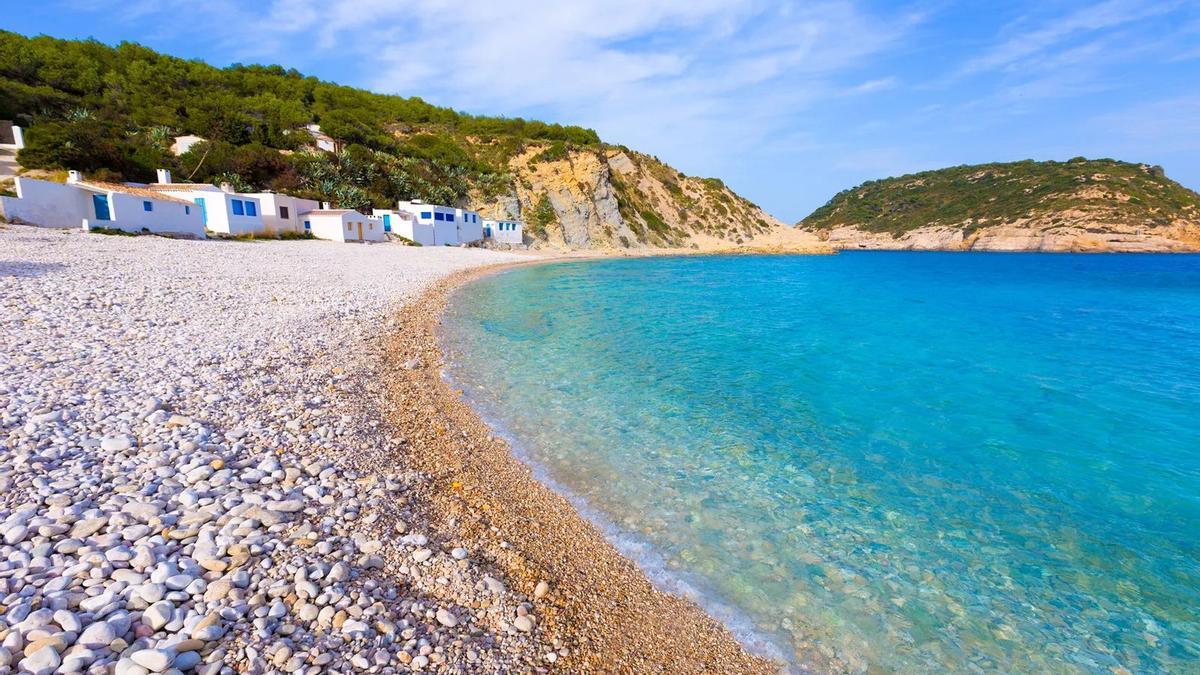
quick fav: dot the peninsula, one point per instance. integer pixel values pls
(1077, 205)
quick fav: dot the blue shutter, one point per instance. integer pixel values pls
(100, 204)
(147, 206)
(251, 208)
(238, 210)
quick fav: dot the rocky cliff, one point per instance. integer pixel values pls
(1079, 205)
(606, 198)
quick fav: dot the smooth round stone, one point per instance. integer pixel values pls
(98, 634)
(446, 618)
(158, 614)
(154, 660)
(116, 444)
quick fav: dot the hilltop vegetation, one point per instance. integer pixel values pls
(113, 112)
(973, 197)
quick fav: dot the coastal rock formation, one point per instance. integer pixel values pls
(604, 198)
(1080, 205)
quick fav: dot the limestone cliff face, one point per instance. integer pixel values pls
(610, 198)
(1082, 235)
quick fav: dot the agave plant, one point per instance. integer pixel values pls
(239, 184)
(161, 134)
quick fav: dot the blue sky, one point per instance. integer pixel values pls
(787, 102)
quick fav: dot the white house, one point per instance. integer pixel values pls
(94, 204)
(504, 231)
(283, 213)
(47, 204)
(344, 225)
(184, 143)
(405, 224)
(470, 226)
(322, 140)
(443, 220)
(222, 210)
(11, 141)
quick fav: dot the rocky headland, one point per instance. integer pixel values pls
(1079, 205)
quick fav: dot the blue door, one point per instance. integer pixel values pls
(100, 203)
(387, 222)
(203, 210)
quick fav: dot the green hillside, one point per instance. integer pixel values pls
(1101, 191)
(112, 112)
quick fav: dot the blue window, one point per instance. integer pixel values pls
(425, 215)
(474, 217)
(100, 204)
(307, 225)
(439, 216)
(147, 206)
(251, 209)
(187, 210)
(450, 217)
(238, 209)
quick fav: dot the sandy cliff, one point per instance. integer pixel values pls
(609, 198)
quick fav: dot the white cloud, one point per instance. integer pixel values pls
(871, 86)
(1028, 47)
(692, 80)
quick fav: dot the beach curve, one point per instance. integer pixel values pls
(599, 603)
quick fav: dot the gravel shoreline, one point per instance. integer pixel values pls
(587, 596)
(240, 457)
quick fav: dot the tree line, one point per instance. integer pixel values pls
(114, 111)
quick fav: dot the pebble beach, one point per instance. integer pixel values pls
(222, 457)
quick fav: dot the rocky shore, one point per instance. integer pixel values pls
(212, 460)
(190, 471)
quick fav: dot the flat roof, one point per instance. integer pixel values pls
(128, 189)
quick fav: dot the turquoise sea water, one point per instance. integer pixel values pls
(911, 462)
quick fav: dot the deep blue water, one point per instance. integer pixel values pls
(909, 462)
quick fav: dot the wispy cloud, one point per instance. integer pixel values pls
(1029, 45)
(872, 86)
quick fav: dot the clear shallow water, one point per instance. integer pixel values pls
(911, 461)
